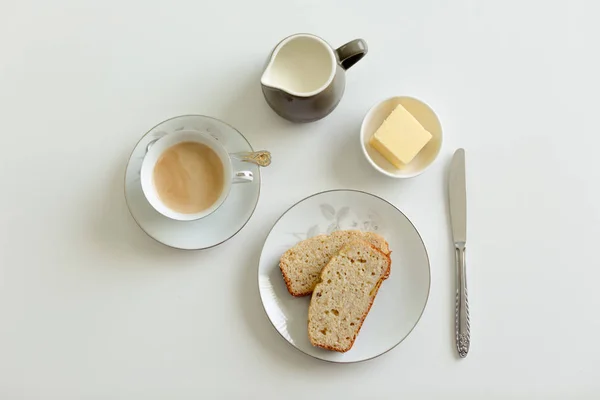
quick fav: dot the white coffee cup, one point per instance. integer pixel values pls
(158, 147)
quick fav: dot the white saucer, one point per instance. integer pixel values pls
(214, 229)
(401, 299)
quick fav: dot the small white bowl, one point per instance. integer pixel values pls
(424, 114)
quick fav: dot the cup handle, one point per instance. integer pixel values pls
(242, 177)
(351, 53)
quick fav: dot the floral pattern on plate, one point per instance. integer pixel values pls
(342, 218)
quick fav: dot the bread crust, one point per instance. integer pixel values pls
(383, 277)
(288, 283)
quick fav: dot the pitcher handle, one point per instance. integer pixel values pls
(351, 53)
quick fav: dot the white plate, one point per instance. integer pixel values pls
(209, 231)
(401, 299)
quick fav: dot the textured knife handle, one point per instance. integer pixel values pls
(463, 328)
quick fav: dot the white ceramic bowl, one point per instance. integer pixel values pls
(424, 114)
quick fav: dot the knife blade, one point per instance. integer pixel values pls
(457, 196)
(457, 190)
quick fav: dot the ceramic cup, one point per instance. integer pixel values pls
(157, 148)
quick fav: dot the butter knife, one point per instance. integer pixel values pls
(457, 194)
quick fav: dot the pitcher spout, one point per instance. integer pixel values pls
(267, 79)
(301, 65)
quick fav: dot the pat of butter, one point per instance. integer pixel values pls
(400, 137)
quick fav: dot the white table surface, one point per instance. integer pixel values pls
(92, 308)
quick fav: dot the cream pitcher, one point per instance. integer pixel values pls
(305, 77)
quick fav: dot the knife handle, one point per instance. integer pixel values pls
(463, 329)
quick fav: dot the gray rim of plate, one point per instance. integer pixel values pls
(129, 161)
(428, 267)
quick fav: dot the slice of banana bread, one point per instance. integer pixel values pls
(342, 299)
